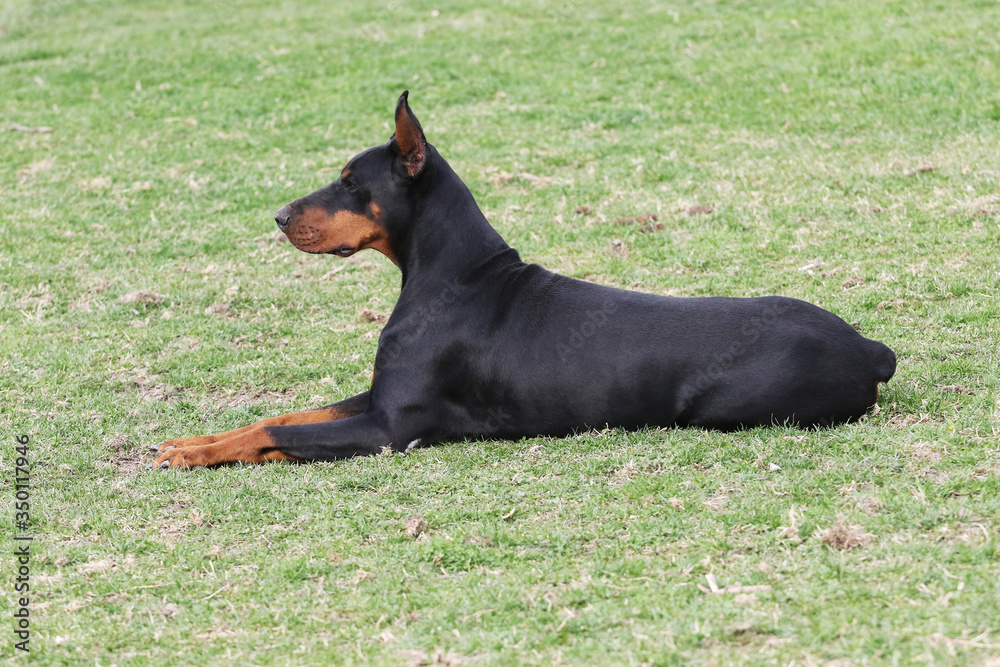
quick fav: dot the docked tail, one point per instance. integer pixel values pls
(883, 361)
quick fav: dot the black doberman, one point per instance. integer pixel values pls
(481, 344)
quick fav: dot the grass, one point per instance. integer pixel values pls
(848, 151)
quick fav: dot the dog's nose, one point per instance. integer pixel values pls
(283, 218)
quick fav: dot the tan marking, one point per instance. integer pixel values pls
(376, 210)
(344, 174)
(254, 446)
(316, 231)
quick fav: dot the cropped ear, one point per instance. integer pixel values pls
(409, 138)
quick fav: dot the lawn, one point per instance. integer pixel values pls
(845, 152)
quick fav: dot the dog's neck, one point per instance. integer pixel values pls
(453, 236)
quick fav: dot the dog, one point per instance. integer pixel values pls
(483, 345)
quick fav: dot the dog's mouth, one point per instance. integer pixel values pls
(342, 251)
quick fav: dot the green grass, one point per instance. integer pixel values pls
(849, 151)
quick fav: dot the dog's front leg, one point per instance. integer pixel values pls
(360, 435)
(341, 410)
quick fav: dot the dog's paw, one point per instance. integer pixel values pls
(174, 457)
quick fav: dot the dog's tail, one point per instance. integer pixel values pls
(883, 361)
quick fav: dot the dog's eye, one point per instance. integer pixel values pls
(348, 183)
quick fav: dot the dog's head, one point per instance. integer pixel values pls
(371, 201)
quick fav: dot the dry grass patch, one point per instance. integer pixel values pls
(842, 537)
(415, 526)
